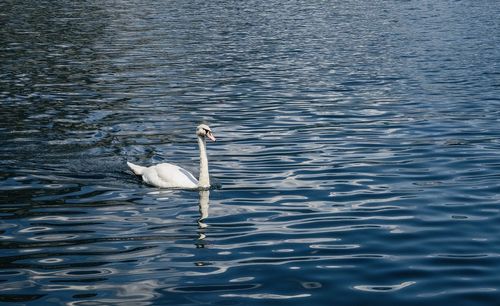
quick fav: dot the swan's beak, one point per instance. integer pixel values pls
(210, 136)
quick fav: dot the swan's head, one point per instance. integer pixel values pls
(204, 130)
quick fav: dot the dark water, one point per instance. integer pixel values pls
(357, 160)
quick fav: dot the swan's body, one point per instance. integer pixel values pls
(167, 175)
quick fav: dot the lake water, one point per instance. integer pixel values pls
(356, 163)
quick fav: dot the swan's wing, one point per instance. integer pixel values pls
(175, 176)
(188, 175)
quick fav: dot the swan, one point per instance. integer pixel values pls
(167, 175)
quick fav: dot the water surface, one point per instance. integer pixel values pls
(356, 162)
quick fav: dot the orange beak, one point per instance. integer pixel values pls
(210, 136)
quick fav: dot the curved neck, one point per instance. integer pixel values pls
(204, 180)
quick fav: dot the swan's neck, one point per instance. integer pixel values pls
(204, 180)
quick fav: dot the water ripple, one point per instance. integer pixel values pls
(384, 288)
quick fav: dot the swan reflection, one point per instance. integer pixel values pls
(203, 204)
(203, 208)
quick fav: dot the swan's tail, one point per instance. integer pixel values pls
(138, 170)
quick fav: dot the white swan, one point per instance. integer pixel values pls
(167, 175)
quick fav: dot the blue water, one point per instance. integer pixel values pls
(357, 160)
